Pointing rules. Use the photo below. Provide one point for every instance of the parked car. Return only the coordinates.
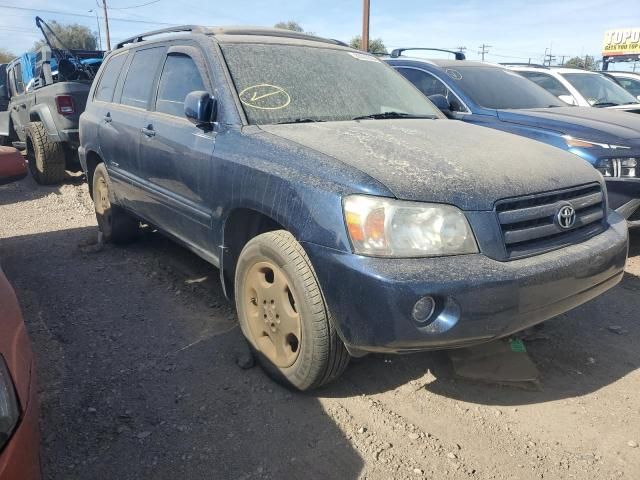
(630, 81)
(19, 435)
(345, 213)
(492, 96)
(583, 88)
(46, 93)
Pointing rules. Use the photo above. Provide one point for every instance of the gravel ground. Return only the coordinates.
(137, 353)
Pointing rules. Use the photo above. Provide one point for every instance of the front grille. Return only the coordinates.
(529, 224)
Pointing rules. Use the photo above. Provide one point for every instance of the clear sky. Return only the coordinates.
(516, 30)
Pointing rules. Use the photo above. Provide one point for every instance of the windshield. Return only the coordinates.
(288, 83)
(599, 90)
(499, 88)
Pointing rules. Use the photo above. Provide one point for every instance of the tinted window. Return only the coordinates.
(494, 87)
(104, 91)
(430, 85)
(598, 90)
(288, 83)
(549, 83)
(180, 76)
(630, 85)
(142, 71)
(19, 84)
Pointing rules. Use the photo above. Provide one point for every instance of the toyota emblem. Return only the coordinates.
(566, 217)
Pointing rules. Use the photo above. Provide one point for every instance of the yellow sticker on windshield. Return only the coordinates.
(265, 97)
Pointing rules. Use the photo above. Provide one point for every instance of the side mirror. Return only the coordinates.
(12, 165)
(201, 108)
(442, 103)
(568, 99)
(638, 96)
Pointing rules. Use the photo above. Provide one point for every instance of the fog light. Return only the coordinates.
(423, 309)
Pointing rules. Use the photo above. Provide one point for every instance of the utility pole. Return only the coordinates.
(548, 58)
(563, 57)
(461, 49)
(106, 24)
(364, 41)
(484, 49)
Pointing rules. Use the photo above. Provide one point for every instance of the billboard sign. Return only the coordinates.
(621, 41)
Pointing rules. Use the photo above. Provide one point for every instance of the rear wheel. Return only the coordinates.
(283, 315)
(114, 222)
(46, 158)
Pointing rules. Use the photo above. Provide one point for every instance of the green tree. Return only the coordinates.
(72, 36)
(376, 45)
(289, 25)
(6, 56)
(587, 62)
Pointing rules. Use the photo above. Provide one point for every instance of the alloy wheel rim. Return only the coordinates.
(272, 314)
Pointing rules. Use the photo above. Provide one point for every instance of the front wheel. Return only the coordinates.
(283, 314)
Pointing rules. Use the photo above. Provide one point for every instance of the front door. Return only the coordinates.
(176, 156)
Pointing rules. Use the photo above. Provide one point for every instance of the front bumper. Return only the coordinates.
(480, 299)
(20, 458)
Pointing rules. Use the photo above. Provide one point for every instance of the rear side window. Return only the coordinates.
(549, 83)
(139, 82)
(109, 78)
(180, 76)
(427, 84)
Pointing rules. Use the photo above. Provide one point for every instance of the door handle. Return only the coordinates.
(107, 118)
(149, 131)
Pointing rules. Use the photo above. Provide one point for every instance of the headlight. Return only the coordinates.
(578, 142)
(618, 167)
(9, 411)
(392, 228)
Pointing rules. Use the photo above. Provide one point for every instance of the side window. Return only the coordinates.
(136, 91)
(549, 83)
(631, 85)
(180, 76)
(109, 78)
(430, 85)
(427, 84)
(19, 83)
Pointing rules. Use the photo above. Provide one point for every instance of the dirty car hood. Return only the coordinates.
(442, 161)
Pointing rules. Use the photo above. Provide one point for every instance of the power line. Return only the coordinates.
(135, 6)
(71, 14)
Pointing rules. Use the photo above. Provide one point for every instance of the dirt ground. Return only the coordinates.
(137, 348)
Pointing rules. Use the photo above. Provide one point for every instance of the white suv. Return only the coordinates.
(580, 87)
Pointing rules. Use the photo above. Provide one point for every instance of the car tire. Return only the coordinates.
(115, 223)
(283, 314)
(46, 158)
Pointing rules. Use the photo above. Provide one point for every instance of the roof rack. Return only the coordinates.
(398, 51)
(229, 31)
(178, 29)
(524, 64)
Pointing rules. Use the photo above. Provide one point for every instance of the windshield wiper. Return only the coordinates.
(385, 115)
(605, 104)
(301, 120)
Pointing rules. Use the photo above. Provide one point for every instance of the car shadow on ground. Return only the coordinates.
(27, 189)
(136, 358)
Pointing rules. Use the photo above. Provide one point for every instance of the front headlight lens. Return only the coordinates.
(618, 167)
(393, 228)
(581, 143)
(9, 410)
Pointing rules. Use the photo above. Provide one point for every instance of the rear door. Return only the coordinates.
(176, 156)
(18, 105)
(123, 118)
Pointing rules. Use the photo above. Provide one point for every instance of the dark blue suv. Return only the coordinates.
(495, 97)
(345, 213)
